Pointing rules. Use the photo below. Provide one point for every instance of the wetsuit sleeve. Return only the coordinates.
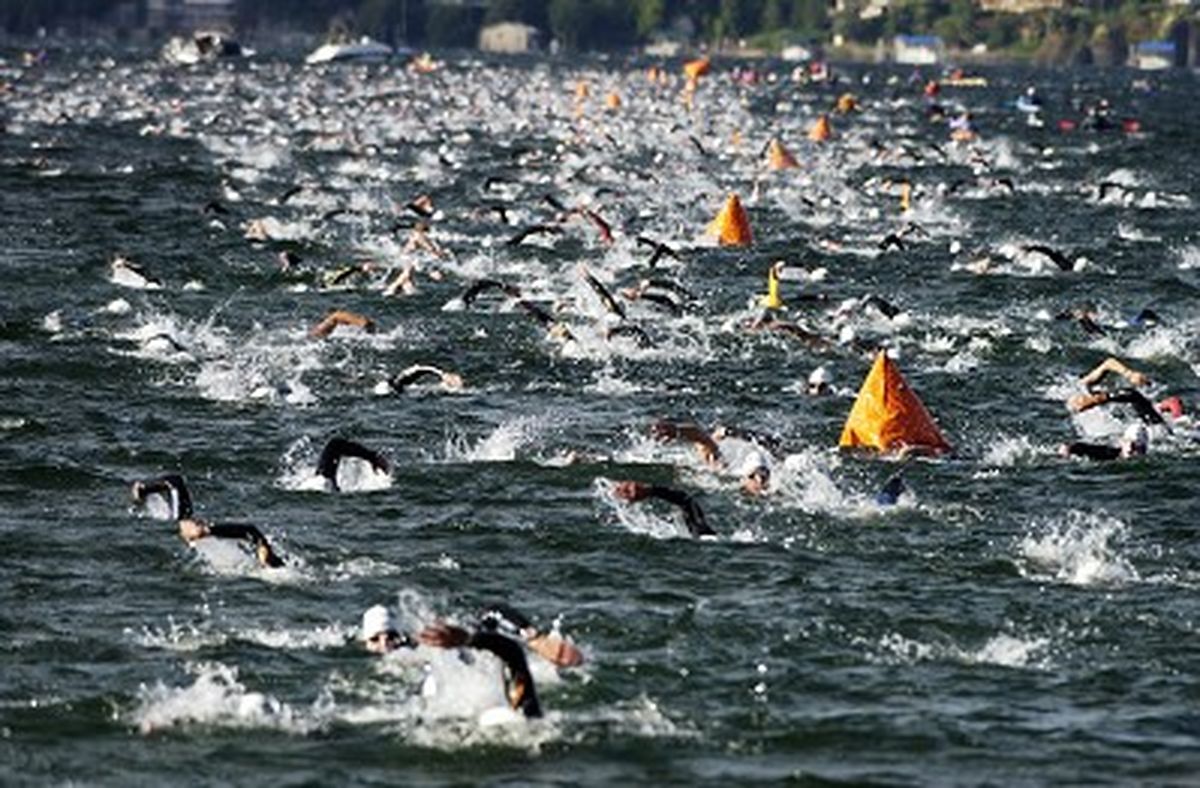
(502, 616)
(173, 488)
(522, 694)
(693, 515)
(1143, 407)
(1093, 451)
(336, 449)
(248, 532)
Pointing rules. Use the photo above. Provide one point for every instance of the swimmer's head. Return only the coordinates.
(379, 632)
(755, 473)
(818, 381)
(1135, 441)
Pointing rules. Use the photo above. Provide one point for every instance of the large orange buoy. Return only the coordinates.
(888, 415)
(821, 130)
(779, 158)
(694, 69)
(732, 226)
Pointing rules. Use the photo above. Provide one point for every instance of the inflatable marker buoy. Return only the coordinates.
(888, 415)
(779, 158)
(732, 226)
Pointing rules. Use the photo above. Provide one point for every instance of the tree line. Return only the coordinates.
(618, 24)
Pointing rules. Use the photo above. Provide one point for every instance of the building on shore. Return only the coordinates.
(510, 38)
(1153, 55)
(1019, 6)
(918, 50)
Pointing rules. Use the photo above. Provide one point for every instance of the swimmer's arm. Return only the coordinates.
(706, 447)
(340, 317)
(1145, 408)
(337, 448)
(1115, 366)
(507, 650)
(693, 515)
(262, 548)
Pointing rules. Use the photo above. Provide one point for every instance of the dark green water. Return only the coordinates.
(1017, 619)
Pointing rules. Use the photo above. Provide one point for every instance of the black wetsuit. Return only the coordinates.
(1143, 407)
(174, 489)
(1093, 451)
(693, 516)
(251, 534)
(336, 449)
(522, 695)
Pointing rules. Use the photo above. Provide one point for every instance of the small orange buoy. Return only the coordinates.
(779, 158)
(697, 68)
(821, 131)
(731, 227)
(612, 101)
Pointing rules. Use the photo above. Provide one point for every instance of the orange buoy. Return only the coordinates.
(731, 227)
(697, 68)
(821, 130)
(612, 101)
(888, 415)
(779, 158)
(846, 104)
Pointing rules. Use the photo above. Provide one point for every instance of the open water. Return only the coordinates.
(1018, 618)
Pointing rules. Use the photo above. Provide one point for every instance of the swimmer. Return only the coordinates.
(337, 449)
(638, 333)
(1145, 409)
(1134, 443)
(518, 681)
(450, 381)
(660, 250)
(191, 530)
(693, 515)
(341, 317)
(819, 382)
(606, 298)
(477, 288)
(891, 491)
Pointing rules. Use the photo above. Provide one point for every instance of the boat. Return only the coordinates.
(1154, 55)
(204, 46)
(918, 50)
(366, 49)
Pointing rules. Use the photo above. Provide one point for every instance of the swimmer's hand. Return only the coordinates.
(631, 491)
(555, 650)
(443, 635)
(193, 530)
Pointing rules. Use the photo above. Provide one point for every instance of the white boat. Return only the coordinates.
(1154, 55)
(795, 54)
(204, 46)
(365, 49)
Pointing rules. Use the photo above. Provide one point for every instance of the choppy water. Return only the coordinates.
(1018, 618)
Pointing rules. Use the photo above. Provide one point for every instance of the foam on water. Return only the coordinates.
(1080, 548)
(1004, 650)
(217, 699)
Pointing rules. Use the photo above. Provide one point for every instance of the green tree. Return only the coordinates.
(649, 15)
(772, 16)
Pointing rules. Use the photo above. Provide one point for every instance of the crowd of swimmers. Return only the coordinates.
(502, 630)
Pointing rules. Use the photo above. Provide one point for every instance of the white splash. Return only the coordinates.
(217, 699)
(1079, 549)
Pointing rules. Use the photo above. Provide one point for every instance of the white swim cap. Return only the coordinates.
(820, 377)
(753, 463)
(376, 620)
